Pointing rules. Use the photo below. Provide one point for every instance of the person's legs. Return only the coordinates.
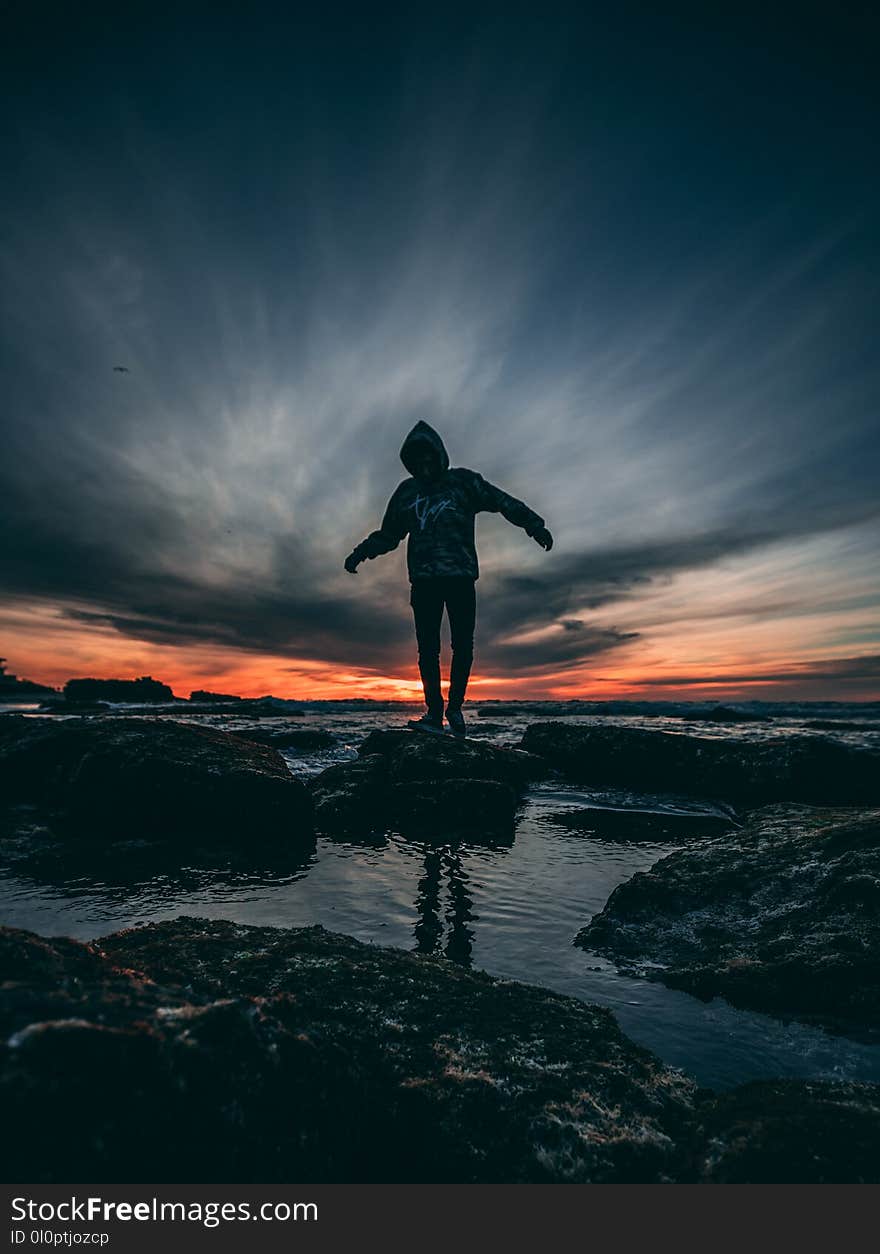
(461, 606)
(426, 599)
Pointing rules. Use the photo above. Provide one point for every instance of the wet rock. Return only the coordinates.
(234, 1053)
(724, 714)
(28, 845)
(423, 785)
(548, 709)
(81, 708)
(42, 962)
(293, 739)
(267, 1054)
(626, 826)
(418, 756)
(813, 769)
(116, 1069)
(513, 709)
(782, 916)
(578, 708)
(115, 778)
(789, 1132)
(351, 797)
(181, 708)
(247, 707)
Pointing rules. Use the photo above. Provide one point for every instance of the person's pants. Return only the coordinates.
(428, 598)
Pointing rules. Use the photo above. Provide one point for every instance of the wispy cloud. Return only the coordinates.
(287, 302)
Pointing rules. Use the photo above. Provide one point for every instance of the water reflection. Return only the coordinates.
(138, 870)
(429, 929)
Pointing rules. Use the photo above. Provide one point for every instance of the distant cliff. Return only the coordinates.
(79, 691)
(14, 689)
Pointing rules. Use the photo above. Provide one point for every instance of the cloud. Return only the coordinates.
(841, 671)
(590, 579)
(674, 383)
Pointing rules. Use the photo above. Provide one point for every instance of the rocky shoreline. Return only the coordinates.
(298, 1052)
(424, 783)
(781, 916)
(813, 769)
(111, 779)
(239, 1053)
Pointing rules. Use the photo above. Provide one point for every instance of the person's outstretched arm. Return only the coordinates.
(494, 500)
(394, 527)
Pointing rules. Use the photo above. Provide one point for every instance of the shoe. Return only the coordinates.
(428, 723)
(456, 722)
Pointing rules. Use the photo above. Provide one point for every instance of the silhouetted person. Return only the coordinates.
(436, 507)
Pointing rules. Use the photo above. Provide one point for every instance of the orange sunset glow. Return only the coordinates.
(722, 655)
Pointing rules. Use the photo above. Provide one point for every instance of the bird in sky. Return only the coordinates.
(122, 370)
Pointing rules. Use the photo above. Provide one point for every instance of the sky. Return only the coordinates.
(626, 262)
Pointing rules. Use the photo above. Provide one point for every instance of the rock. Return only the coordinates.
(578, 708)
(90, 707)
(618, 755)
(350, 798)
(263, 1054)
(512, 709)
(202, 695)
(782, 916)
(293, 739)
(625, 826)
(246, 1054)
(813, 769)
(40, 962)
(791, 1131)
(241, 709)
(364, 797)
(419, 756)
(544, 709)
(113, 778)
(13, 689)
(724, 714)
(423, 785)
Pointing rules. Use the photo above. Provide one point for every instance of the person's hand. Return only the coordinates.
(544, 538)
(351, 564)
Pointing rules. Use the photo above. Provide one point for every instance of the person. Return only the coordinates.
(436, 507)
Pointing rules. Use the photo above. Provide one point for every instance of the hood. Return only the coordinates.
(420, 435)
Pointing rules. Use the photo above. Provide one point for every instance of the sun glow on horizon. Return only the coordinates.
(47, 647)
(770, 626)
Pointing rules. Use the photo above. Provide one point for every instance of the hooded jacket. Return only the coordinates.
(438, 514)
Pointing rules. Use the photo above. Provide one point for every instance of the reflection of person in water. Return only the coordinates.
(459, 910)
(436, 507)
